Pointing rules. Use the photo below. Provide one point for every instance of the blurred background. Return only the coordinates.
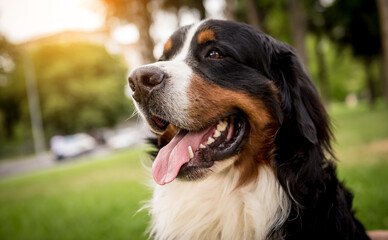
(72, 148)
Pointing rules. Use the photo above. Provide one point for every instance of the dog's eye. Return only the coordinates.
(214, 54)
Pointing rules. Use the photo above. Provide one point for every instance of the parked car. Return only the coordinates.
(125, 138)
(72, 145)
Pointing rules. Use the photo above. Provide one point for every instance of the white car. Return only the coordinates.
(72, 145)
(125, 138)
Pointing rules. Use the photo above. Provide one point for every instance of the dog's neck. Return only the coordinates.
(216, 208)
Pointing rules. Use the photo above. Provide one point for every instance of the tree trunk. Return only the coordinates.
(229, 9)
(383, 12)
(33, 104)
(145, 40)
(137, 12)
(322, 70)
(370, 80)
(202, 11)
(253, 14)
(298, 27)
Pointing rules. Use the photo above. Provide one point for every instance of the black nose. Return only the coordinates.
(145, 79)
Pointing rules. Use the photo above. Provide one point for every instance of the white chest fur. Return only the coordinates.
(215, 209)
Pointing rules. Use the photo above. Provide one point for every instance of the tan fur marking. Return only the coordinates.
(167, 46)
(206, 36)
(275, 91)
(210, 102)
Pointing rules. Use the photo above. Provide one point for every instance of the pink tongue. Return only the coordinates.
(172, 156)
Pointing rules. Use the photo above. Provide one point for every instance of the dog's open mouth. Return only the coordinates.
(192, 151)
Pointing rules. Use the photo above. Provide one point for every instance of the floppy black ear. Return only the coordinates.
(303, 140)
(299, 97)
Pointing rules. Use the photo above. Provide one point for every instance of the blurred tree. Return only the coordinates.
(253, 14)
(229, 10)
(139, 13)
(383, 10)
(297, 16)
(315, 25)
(81, 87)
(178, 4)
(272, 17)
(284, 19)
(322, 76)
(15, 129)
(355, 23)
(11, 91)
(351, 23)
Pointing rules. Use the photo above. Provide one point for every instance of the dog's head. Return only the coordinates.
(222, 94)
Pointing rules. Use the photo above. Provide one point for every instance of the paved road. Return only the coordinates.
(43, 160)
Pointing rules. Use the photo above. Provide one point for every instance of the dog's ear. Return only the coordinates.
(299, 97)
(303, 140)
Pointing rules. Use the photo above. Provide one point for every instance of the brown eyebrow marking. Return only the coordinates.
(167, 46)
(205, 36)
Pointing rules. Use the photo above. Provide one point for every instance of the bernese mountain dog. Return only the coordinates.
(243, 140)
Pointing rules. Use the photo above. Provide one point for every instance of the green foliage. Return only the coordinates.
(12, 91)
(354, 23)
(346, 74)
(273, 17)
(14, 118)
(80, 85)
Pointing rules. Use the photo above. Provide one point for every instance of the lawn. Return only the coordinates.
(362, 151)
(92, 199)
(98, 198)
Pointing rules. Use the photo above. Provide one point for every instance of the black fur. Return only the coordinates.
(303, 158)
(322, 206)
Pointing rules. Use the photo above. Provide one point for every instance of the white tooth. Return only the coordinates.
(222, 126)
(210, 140)
(191, 154)
(217, 134)
(219, 125)
(201, 146)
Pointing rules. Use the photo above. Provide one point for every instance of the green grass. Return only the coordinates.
(362, 151)
(361, 125)
(369, 183)
(90, 200)
(98, 198)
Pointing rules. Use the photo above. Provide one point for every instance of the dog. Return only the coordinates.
(243, 140)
